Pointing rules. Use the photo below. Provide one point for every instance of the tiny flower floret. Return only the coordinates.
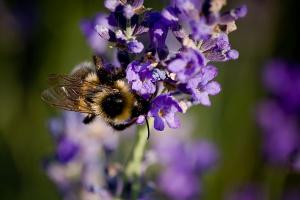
(202, 85)
(164, 109)
(187, 64)
(141, 78)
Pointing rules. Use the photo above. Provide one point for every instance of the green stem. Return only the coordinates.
(133, 168)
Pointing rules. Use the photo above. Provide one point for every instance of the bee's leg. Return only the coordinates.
(121, 127)
(89, 118)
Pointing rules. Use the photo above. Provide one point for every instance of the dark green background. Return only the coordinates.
(48, 40)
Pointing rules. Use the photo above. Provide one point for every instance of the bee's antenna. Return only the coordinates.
(148, 128)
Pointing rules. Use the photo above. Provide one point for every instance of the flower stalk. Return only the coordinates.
(133, 167)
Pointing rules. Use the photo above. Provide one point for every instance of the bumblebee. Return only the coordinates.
(97, 91)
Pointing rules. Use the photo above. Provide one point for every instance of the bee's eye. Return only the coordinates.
(113, 105)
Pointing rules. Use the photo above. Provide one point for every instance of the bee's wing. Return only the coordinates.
(66, 92)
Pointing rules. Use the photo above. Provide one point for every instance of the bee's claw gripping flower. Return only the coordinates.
(166, 54)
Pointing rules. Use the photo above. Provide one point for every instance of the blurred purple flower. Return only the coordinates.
(98, 44)
(249, 192)
(66, 150)
(185, 186)
(189, 8)
(204, 156)
(292, 194)
(278, 117)
(186, 161)
(280, 133)
(79, 149)
(283, 80)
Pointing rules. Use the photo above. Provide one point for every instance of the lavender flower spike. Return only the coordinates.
(165, 54)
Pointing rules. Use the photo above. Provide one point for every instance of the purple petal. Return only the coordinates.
(177, 65)
(159, 123)
(172, 120)
(111, 4)
(209, 73)
(184, 187)
(141, 120)
(137, 85)
(135, 47)
(128, 11)
(213, 88)
(232, 54)
(103, 31)
(205, 155)
(137, 3)
(202, 98)
(66, 150)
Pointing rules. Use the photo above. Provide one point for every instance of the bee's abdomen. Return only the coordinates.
(113, 105)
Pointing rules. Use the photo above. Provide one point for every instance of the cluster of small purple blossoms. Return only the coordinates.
(83, 167)
(80, 165)
(167, 54)
(279, 115)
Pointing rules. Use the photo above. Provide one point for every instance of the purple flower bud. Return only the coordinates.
(232, 54)
(103, 31)
(184, 187)
(98, 44)
(137, 3)
(190, 8)
(111, 4)
(200, 29)
(241, 11)
(218, 49)
(135, 46)
(234, 14)
(128, 11)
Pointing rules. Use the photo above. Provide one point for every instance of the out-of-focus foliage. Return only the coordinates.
(39, 37)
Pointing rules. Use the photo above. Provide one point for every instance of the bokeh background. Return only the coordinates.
(39, 37)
